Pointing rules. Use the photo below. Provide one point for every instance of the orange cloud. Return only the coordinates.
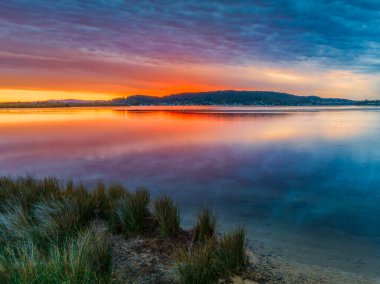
(110, 77)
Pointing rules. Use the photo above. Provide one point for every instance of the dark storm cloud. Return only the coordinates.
(344, 34)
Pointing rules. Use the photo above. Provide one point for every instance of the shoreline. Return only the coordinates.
(277, 270)
(140, 250)
(197, 108)
(147, 259)
(262, 266)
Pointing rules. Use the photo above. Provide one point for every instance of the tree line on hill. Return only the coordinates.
(220, 98)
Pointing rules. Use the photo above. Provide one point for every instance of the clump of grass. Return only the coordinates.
(59, 219)
(44, 236)
(96, 249)
(85, 259)
(101, 201)
(211, 258)
(15, 223)
(133, 213)
(231, 252)
(198, 265)
(167, 215)
(83, 200)
(26, 191)
(116, 191)
(41, 211)
(41, 233)
(115, 194)
(20, 264)
(205, 227)
(47, 222)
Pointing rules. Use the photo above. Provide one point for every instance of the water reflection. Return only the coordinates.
(304, 183)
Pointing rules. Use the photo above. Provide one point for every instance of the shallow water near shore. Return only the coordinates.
(305, 182)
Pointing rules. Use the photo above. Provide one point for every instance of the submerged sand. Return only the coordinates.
(264, 269)
(151, 259)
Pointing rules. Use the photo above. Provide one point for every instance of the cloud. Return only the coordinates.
(127, 38)
(334, 32)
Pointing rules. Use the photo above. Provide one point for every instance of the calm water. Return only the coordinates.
(305, 182)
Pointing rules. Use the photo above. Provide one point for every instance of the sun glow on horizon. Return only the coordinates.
(165, 79)
(9, 95)
(58, 50)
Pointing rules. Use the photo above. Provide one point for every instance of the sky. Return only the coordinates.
(106, 49)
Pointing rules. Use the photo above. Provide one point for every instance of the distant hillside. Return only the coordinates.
(232, 98)
(226, 98)
(55, 104)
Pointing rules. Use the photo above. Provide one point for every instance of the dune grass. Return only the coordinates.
(84, 259)
(132, 212)
(115, 193)
(26, 191)
(46, 237)
(197, 265)
(231, 252)
(211, 258)
(167, 216)
(205, 227)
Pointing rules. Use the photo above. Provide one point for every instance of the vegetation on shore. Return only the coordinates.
(46, 234)
(220, 98)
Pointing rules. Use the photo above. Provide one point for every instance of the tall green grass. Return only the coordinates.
(45, 235)
(15, 223)
(101, 201)
(114, 195)
(211, 258)
(26, 191)
(206, 226)
(84, 259)
(167, 215)
(198, 265)
(58, 219)
(133, 213)
(231, 252)
(44, 220)
(84, 200)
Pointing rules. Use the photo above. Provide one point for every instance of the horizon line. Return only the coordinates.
(170, 94)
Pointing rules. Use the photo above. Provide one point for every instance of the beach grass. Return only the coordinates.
(231, 252)
(132, 212)
(198, 265)
(167, 216)
(46, 234)
(84, 259)
(212, 258)
(205, 227)
(115, 193)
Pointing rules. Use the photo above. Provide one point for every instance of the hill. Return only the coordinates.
(231, 97)
(222, 98)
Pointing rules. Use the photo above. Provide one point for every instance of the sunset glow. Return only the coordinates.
(181, 141)
(109, 49)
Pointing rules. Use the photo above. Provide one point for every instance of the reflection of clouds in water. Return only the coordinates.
(306, 174)
(300, 168)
